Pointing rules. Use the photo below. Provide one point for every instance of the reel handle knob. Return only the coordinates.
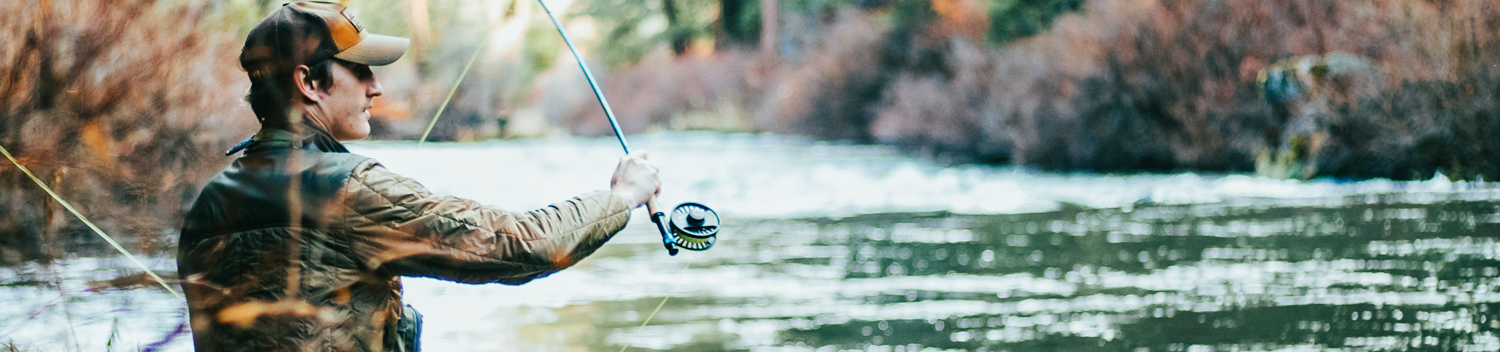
(695, 217)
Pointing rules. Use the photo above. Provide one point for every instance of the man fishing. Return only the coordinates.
(299, 245)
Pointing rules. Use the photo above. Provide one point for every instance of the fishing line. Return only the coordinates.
(86, 221)
(658, 306)
(648, 319)
(487, 32)
(461, 75)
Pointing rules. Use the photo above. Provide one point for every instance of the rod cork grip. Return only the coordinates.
(652, 208)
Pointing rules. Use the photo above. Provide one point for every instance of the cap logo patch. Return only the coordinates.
(357, 26)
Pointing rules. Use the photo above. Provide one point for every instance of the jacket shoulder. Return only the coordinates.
(273, 189)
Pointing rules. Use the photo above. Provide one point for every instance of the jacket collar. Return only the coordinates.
(310, 138)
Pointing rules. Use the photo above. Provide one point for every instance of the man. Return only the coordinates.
(299, 245)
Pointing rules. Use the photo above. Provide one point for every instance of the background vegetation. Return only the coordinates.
(125, 106)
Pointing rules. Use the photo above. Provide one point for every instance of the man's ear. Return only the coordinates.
(306, 86)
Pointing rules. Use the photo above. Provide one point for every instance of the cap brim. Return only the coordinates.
(375, 50)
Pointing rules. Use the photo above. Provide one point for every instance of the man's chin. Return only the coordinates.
(353, 133)
(362, 132)
(359, 130)
(354, 136)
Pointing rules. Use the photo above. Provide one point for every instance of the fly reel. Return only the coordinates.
(690, 226)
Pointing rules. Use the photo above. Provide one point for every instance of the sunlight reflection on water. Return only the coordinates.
(872, 262)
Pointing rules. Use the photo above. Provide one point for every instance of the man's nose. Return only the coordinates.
(375, 88)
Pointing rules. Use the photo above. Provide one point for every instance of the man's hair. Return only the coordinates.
(271, 95)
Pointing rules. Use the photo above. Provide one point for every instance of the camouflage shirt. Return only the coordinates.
(299, 246)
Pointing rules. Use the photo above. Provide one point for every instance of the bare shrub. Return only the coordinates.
(123, 108)
(830, 92)
(1165, 85)
(946, 114)
(666, 91)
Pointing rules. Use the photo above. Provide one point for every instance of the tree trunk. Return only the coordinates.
(421, 30)
(675, 33)
(768, 26)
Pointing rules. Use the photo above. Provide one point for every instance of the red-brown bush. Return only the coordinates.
(123, 107)
(1164, 84)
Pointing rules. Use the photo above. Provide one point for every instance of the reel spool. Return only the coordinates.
(691, 226)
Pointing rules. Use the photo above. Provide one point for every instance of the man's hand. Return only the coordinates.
(635, 180)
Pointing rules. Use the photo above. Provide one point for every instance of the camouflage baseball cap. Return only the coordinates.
(308, 32)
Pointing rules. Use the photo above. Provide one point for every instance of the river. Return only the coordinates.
(836, 247)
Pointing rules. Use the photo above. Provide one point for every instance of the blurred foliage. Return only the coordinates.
(1173, 86)
(543, 49)
(621, 34)
(631, 28)
(1013, 19)
(123, 107)
(739, 22)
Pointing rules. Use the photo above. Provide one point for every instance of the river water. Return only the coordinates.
(834, 247)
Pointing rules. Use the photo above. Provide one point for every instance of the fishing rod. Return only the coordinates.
(691, 226)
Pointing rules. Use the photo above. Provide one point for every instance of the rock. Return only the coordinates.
(1305, 94)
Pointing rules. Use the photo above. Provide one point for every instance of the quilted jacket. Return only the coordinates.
(300, 246)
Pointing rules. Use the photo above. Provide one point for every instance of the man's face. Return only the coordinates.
(347, 102)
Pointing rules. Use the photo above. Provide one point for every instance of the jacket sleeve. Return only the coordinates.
(398, 227)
